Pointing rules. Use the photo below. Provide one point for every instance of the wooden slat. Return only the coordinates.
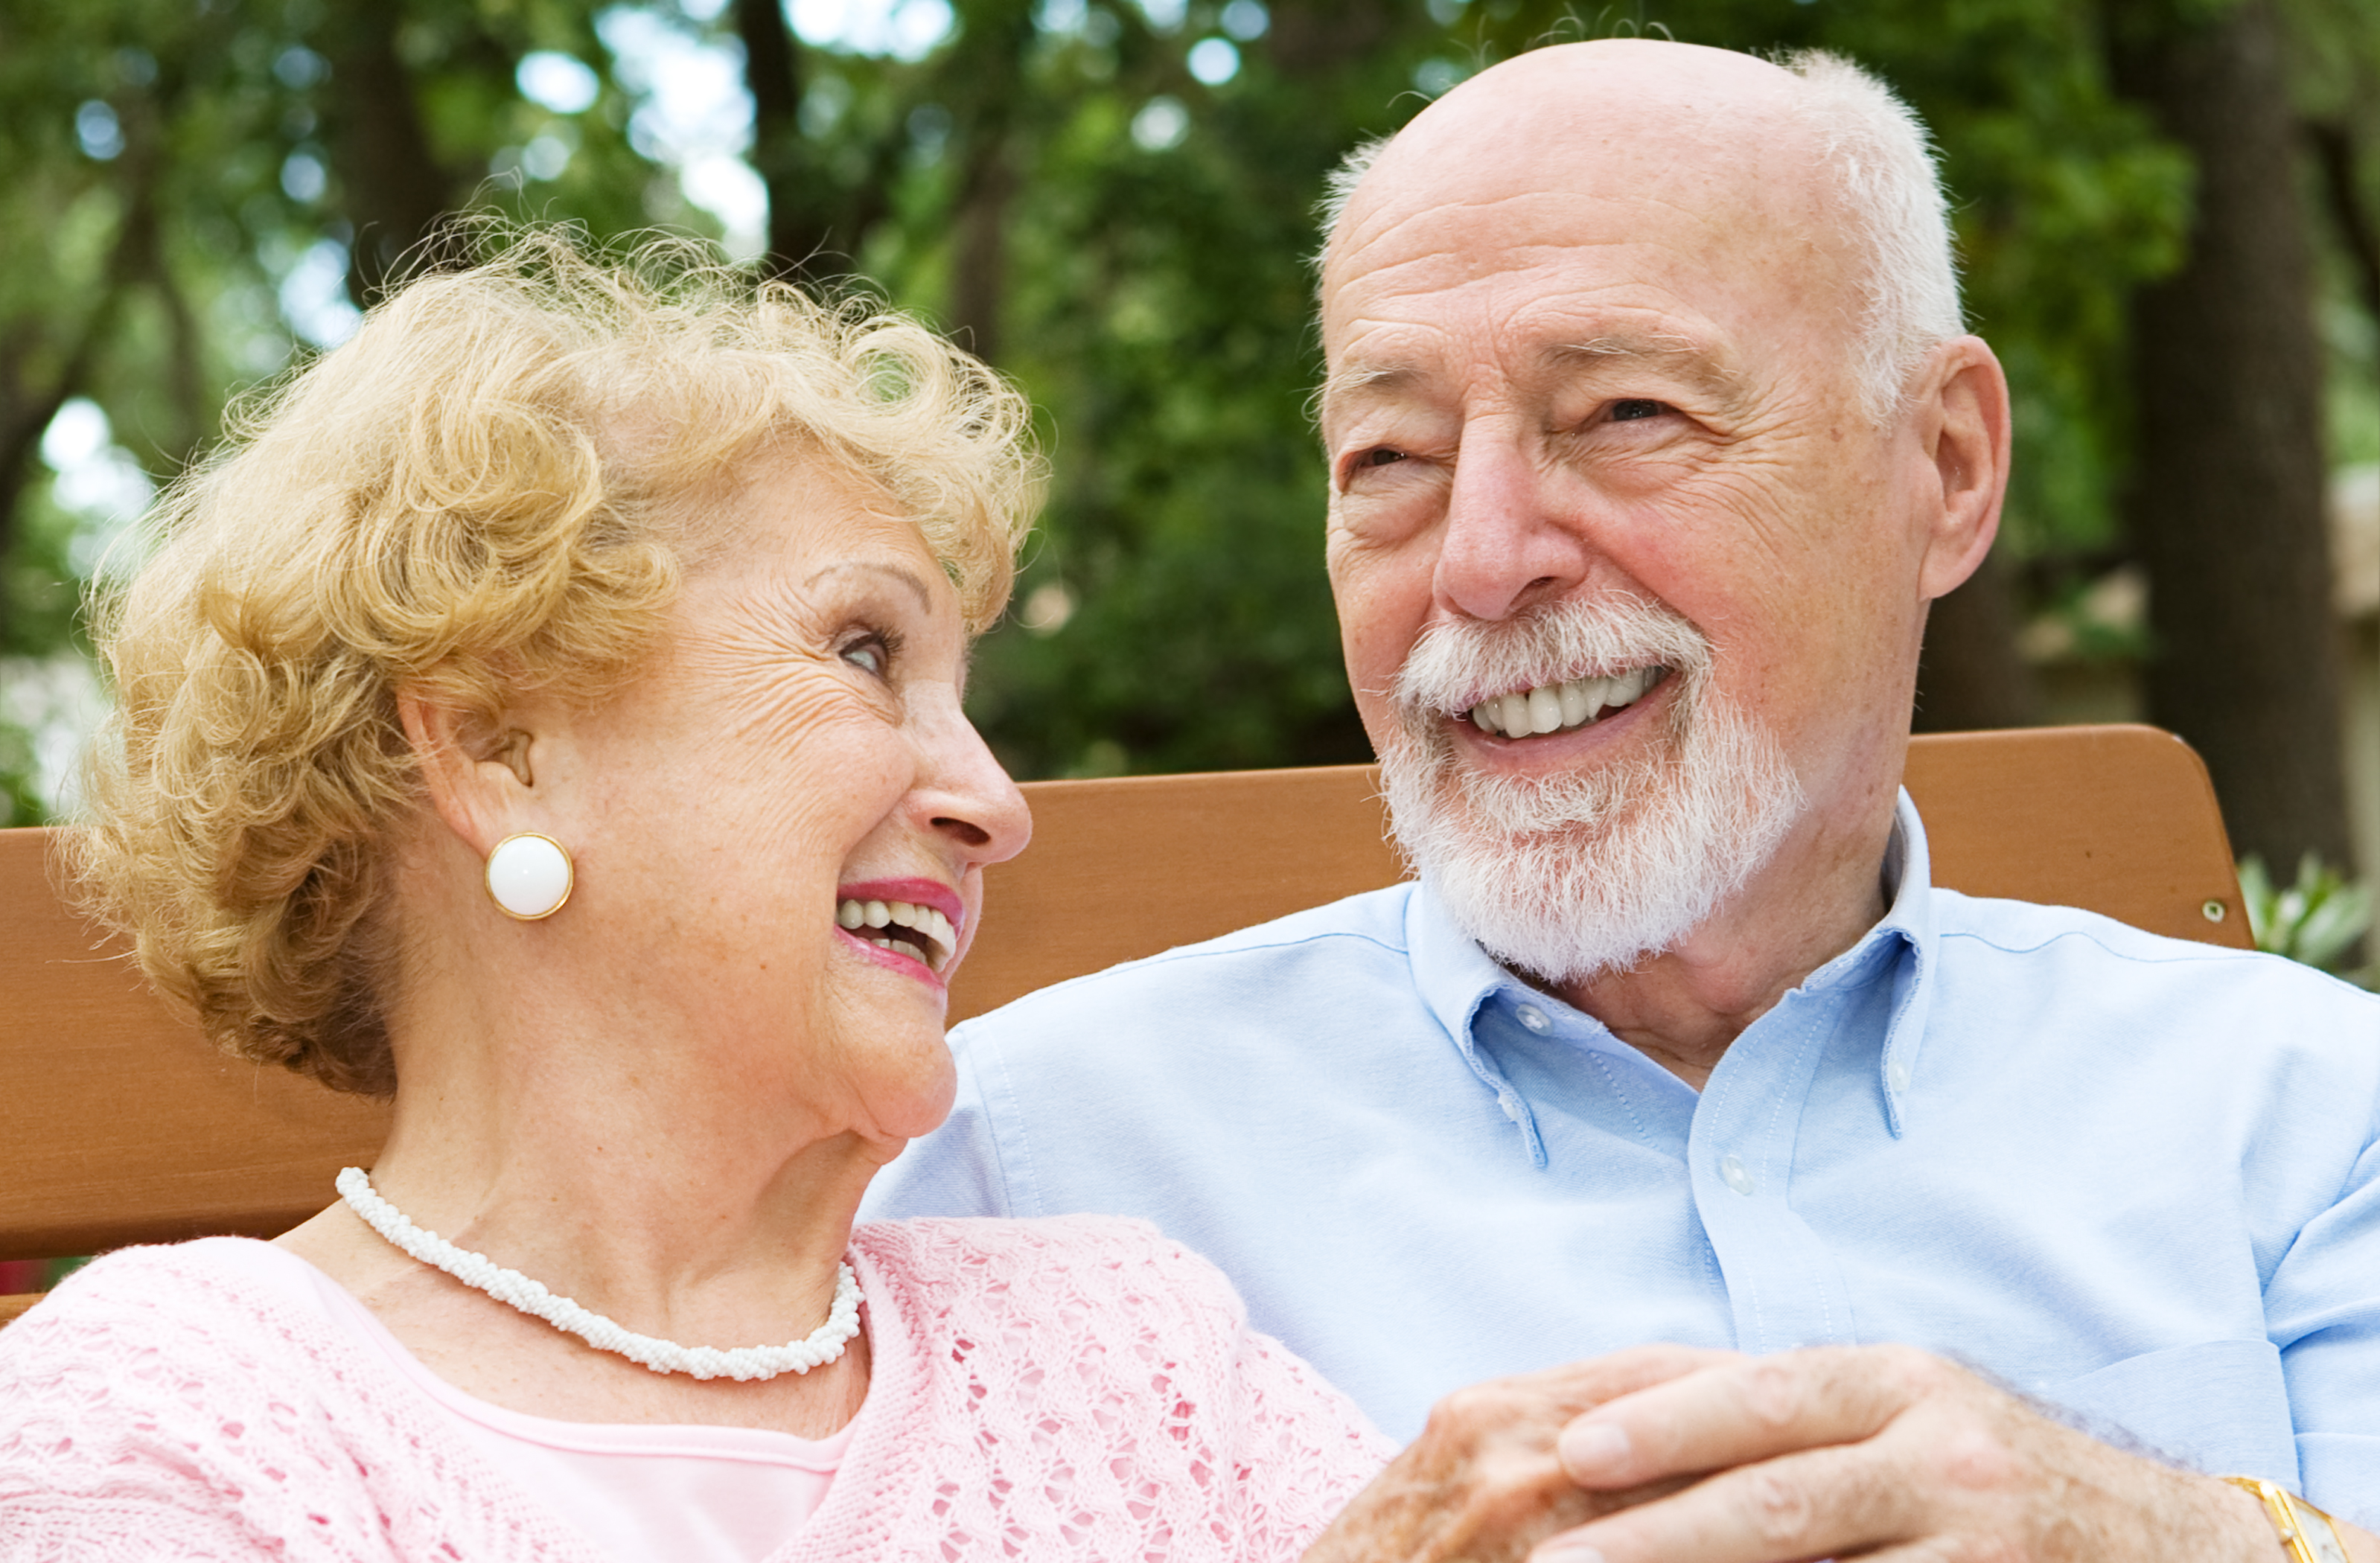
(1125, 868)
(119, 1125)
(2118, 819)
(16, 1302)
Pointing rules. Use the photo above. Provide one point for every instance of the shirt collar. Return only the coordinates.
(1456, 978)
(1899, 945)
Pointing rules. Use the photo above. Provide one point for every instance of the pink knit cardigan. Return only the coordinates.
(1041, 1390)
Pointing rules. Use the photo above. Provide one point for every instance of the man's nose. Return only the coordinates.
(1505, 548)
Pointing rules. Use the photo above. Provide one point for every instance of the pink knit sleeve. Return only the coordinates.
(1303, 1450)
(1298, 1450)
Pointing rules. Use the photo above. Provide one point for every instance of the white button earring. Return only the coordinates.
(529, 877)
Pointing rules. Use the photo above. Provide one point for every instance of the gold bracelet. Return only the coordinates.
(2307, 1534)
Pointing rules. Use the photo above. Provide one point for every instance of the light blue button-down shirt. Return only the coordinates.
(2133, 1175)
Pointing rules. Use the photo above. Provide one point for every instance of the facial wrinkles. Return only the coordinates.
(783, 677)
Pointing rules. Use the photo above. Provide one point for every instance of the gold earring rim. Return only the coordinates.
(570, 876)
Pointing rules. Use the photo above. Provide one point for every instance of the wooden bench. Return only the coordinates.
(119, 1125)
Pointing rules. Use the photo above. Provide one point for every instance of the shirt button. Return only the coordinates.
(1737, 1178)
(1535, 1019)
(1897, 1072)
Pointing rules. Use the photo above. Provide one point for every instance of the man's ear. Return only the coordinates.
(1962, 419)
(477, 775)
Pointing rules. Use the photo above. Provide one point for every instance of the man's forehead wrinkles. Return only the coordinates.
(1424, 209)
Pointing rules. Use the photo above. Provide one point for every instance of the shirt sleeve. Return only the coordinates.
(956, 1169)
(2322, 1308)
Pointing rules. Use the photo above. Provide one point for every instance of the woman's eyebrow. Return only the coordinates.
(910, 578)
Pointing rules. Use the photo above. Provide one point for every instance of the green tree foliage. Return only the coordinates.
(1111, 199)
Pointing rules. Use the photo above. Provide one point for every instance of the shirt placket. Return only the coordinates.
(1782, 1280)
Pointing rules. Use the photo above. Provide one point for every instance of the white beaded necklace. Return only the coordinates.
(514, 1290)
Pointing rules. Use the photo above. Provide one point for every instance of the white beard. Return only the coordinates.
(1570, 875)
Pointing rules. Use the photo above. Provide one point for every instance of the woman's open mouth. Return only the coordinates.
(905, 927)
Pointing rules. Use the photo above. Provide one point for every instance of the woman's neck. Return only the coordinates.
(621, 1164)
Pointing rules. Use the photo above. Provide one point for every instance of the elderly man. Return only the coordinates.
(1652, 432)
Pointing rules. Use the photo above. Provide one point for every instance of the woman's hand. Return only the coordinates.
(1483, 1482)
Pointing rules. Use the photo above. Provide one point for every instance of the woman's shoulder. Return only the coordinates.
(1112, 1258)
(196, 1400)
(139, 1295)
(146, 1348)
(153, 1335)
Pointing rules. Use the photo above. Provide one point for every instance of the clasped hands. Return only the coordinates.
(1668, 1454)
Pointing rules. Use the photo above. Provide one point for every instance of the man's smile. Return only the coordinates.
(1557, 707)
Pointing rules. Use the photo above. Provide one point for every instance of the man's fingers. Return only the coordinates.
(1819, 1504)
(1741, 1411)
(1597, 1380)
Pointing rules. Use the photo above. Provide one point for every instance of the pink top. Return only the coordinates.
(674, 1494)
(1076, 1389)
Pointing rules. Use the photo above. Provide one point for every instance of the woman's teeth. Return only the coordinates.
(1551, 707)
(926, 933)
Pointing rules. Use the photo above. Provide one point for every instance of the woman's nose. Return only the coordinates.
(967, 795)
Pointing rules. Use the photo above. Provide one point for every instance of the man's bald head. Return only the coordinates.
(1651, 436)
(1816, 149)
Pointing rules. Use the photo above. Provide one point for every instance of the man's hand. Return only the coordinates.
(1883, 1453)
(1482, 1483)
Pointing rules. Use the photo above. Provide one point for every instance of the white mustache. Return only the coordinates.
(1455, 665)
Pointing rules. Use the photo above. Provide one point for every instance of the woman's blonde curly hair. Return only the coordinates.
(487, 490)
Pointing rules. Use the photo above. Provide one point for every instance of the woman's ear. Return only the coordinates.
(1964, 422)
(479, 775)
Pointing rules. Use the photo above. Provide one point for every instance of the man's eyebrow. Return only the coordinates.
(1678, 355)
(1347, 382)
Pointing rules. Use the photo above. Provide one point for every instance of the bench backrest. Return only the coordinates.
(117, 1124)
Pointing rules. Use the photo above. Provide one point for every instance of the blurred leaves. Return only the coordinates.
(199, 185)
(2318, 920)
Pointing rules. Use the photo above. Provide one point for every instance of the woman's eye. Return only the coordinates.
(871, 653)
(1635, 407)
(1383, 457)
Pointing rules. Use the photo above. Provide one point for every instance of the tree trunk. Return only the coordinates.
(800, 237)
(1972, 676)
(987, 72)
(2224, 500)
(2342, 189)
(391, 186)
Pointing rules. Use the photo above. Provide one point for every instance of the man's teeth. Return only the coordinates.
(939, 939)
(1550, 707)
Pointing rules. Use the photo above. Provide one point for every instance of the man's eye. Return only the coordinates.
(1635, 407)
(1383, 456)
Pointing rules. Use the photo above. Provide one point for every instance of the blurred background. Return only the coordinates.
(2168, 210)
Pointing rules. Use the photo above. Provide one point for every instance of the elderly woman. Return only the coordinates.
(547, 712)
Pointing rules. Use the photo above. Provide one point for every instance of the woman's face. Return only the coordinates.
(782, 828)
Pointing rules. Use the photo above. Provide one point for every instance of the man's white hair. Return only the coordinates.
(1891, 193)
